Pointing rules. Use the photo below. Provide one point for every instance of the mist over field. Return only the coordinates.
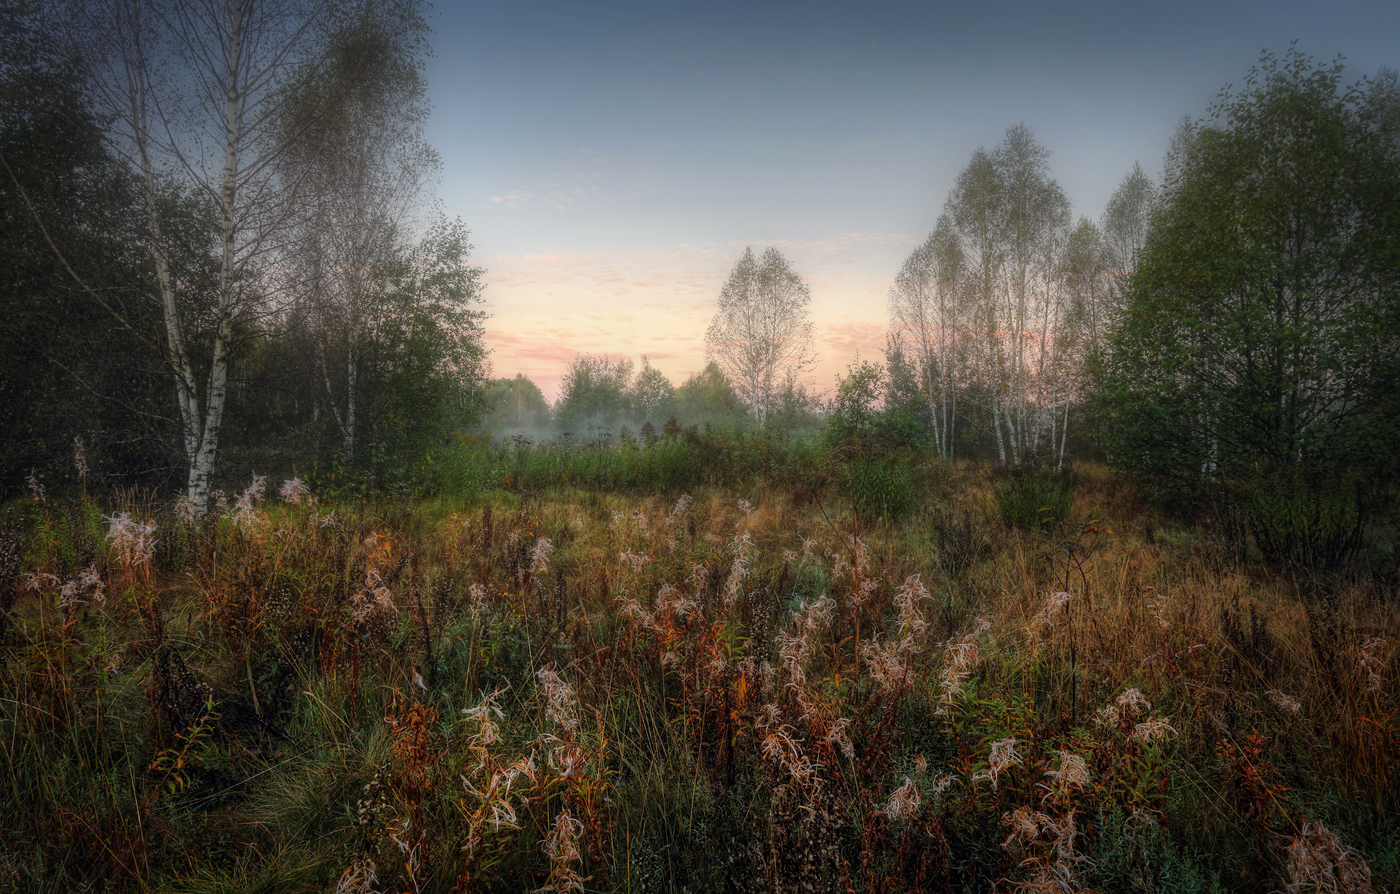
(543, 447)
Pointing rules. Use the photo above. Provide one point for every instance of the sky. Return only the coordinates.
(613, 159)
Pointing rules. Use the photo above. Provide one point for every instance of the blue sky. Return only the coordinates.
(613, 159)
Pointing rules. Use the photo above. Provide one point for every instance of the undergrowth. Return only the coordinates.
(538, 684)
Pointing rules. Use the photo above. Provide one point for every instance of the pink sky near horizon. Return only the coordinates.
(546, 309)
(612, 159)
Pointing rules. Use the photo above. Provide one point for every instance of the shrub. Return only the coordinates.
(880, 487)
(1033, 499)
(1305, 520)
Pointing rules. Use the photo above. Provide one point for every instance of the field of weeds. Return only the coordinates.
(724, 690)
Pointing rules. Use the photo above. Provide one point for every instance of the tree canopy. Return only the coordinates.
(1262, 327)
(762, 331)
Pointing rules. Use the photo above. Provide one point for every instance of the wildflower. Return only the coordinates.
(780, 746)
(185, 510)
(1061, 873)
(1001, 758)
(134, 542)
(887, 663)
(1072, 771)
(905, 801)
(359, 878)
(631, 608)
(1054, 604)
(477, 596)
(669, 601)
(489, 733)
(80, 458)
(1288, 704)
(294, 492)
(539, 556)
(1152, 729)
(837, 737)
(569, 758)
(1317, 861)
(866, 591)
(244, 511)
(1370, 663)
(699, 577)
(1126, 709)
(681, 505)
(1158, 606)
(907, 601)
(944, 780)
(560, 704)
(36, 490)
(745, 507)
(958, 662)
(1025, 824)
(89, 579)
(76, 591)
(739, 546)
(561, 846)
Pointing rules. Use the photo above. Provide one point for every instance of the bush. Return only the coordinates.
(1305, 520)
(880, 487)
(1034, 499)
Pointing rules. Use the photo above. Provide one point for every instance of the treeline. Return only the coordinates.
(600, 397)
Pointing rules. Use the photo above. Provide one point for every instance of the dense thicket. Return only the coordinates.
(79, 352)
(1262, 335)
(155, 302)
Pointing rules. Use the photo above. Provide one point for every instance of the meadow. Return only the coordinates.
(633, 670)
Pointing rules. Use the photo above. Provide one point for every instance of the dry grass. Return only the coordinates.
(737, 691)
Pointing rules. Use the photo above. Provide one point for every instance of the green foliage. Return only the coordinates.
(599, 395)
(594, 396)
(1134, 856)
(1262, 328)
(682, 460)
(853, 411)
(514, 405)
(1033, 499)
(881, 487)
(73, 362)
(708, 399)
(1307, 520)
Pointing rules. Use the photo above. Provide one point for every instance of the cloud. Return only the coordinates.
(562, 197)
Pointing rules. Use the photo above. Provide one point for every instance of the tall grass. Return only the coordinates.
(551, 681)
(714, 458)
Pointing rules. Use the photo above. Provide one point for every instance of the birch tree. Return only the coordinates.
(928, 322)
(1010, 220)
(193, 90)
(762, 330)
(1125, 225)
(357, 164)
